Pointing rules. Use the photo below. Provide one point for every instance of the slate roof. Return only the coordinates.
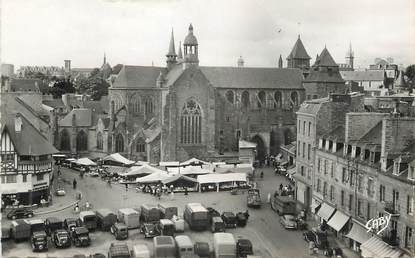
(325, 59)
(312, 106)
(29, 141)
(83, 117)
(137, 77)
(54, 103)
(337, 134)
(25, 85)
(374, 135)
(298, 51)
(370, 75)
(318, 76)
(250, 77)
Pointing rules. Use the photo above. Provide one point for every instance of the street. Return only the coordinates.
(263, 229)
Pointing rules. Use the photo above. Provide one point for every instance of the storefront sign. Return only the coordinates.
(379, 224)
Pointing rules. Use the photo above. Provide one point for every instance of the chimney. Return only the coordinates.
(18, 123)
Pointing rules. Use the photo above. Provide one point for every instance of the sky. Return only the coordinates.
(137, 32)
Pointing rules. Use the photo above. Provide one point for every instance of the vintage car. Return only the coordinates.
(61, 238)
(229, 219)
(149, 230)
(70, 223)
(80, 237)
(244, 248)
(217, 225)
(39, 241)
(288, 221)
(20, 213)
(119, 230)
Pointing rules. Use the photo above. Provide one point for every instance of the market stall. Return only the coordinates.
(217, 182)
(117, 160)
(181, 182)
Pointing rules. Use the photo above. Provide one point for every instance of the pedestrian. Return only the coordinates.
(269, 198)
(185, 191)
(171, 188)
(172, 195)
(262, 174)
(246, 214)
(74, 183)
(281, 187)
(126, 187)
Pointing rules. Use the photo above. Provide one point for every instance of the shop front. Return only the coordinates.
(357, 235)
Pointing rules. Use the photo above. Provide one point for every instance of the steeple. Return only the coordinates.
(350, 56)
(190, 46)
(171, 55)
(280, 62)
(298, 57)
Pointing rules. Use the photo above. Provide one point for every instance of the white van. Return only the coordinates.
(140, 251)
(224, 245)
(185, 247)
(129, 217)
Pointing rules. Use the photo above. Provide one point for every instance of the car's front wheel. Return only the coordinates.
(30, 215)
(14, 217)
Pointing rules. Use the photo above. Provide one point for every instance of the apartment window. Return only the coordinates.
(299, 127)
(408, 237)
(332, 169)
(325, 167)
(39, 177)
(309, 173)
(9, 179)
(318, 185)
(370, 191)
(350, 202)
(382, 193)
(360, 183)
(303, 149)
(325, 189)
(344, 175)
(309, 128)
(342, 197)
(24, 178)
(308, 152)
(331, 193)
(318, 165)
(298, 149)
(359, 208)
(368, 217)
(304, 128)
(410, 205)
(351, 178)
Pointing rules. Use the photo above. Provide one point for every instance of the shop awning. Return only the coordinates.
(358, 233)
(141, 170)
(221, 178)
(153, 178)
(179, 177)
(315, 206)
(338, 220)
(85, 162)
(325, 211)
(375, 247)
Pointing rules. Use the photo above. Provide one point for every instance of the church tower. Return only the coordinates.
(280, 62)
(190, 46)
(298, 57)
(171, 55)
(350, 57)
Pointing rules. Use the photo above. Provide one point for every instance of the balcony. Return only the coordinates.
(391, 208)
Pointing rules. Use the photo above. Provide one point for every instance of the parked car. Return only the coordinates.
(70, 224)
(20, 213)
(120, 231)
(202, 249)
(254, 198)
(244, 248)
(80, 237)
(149, 230)
(288, 221)
(241, 219)
(39, 241)
(212, 213)
(229, 219)
(217, 225)
(166, 227)
(61, 238)
(318, 237)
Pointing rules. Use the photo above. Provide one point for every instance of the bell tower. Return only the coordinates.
(190, 46)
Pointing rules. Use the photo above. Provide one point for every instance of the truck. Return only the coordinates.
(20, 230)
(224, 245)
(140, 251)
(167, 212)
(119, 251)
(150, 213)
(129, 217)
(254, 198)
(185, 247)
(283, 205)
(196, 216)
(88, 219)
(164, 247)
(105, 219)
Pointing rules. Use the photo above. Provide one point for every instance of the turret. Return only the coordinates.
(190, 49)
(171, 55)
(280, 62)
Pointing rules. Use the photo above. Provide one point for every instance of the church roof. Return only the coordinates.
(29, 141)
(83, 117)
(298, 51)
(137, 77)
(325, 59)
(250, 77)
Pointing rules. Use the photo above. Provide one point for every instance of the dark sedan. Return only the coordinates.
(20, 213)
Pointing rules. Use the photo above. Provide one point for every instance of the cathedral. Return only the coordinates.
(185, 110)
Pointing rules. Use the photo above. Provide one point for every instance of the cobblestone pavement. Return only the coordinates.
(268, 237)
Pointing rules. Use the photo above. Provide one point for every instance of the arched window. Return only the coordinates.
(245, 99)
(148, 106)
(135, 105)
(277, 99)
(140, 145)
(261, 99)
(81, 141)
(65, 140)
(100, 141)
(119, 143)
(191, 123)
(117, 103)
(230, 96)
(294, 98)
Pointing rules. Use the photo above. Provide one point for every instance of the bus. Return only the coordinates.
(196, 216)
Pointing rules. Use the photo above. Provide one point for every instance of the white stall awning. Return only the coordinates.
(338, 220)
(325, 211)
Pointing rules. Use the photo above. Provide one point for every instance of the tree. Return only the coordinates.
(94, 85)
(410, 76)
(61, 87)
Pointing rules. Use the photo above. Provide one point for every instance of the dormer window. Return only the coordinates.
(411, 173)
(396, 166)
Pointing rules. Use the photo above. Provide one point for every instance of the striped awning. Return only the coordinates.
(325, 211)
(358, 233)
(375, 247)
